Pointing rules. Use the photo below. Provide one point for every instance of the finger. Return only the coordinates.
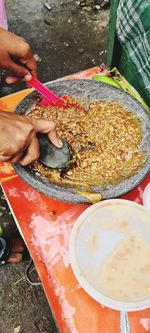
(11, 159)
(53, 137)
(27, 78)
(5, 158)
(16, 158)
(18, 70)
(14, 258)
(30, 63)
(32, 66)
(32, 152)
(12, 79)
(47, 127)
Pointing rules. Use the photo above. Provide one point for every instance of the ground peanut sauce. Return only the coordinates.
(104, 141)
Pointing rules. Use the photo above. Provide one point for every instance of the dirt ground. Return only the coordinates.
(69, 38)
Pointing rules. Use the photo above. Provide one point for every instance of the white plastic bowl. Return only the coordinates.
(85, 260)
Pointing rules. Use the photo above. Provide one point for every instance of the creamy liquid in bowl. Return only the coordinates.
(125, 275)
(111, 249)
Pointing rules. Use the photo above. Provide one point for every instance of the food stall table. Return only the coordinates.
(45, 225)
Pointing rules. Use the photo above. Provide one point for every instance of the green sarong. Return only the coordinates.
(133, 30)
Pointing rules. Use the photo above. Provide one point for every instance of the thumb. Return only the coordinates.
(14, 79)
(18, 70)
(47, 127)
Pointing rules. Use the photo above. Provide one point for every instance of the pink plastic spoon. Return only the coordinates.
(49, 97)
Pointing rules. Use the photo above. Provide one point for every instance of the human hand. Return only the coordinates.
(18, 141)
(16, 56)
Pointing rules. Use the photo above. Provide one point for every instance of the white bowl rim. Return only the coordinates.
(99, 297)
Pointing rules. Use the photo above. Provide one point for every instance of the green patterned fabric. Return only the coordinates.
(133, 30)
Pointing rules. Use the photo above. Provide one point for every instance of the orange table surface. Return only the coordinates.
(45, 225)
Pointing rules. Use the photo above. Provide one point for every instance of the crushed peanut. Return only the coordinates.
(104, 141)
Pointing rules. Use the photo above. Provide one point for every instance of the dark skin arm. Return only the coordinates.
(18, 141)
(16, 56)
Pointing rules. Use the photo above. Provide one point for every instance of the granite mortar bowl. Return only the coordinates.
(88, 90)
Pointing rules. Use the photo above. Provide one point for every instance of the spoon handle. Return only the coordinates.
(124, 322)
(48, 94)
